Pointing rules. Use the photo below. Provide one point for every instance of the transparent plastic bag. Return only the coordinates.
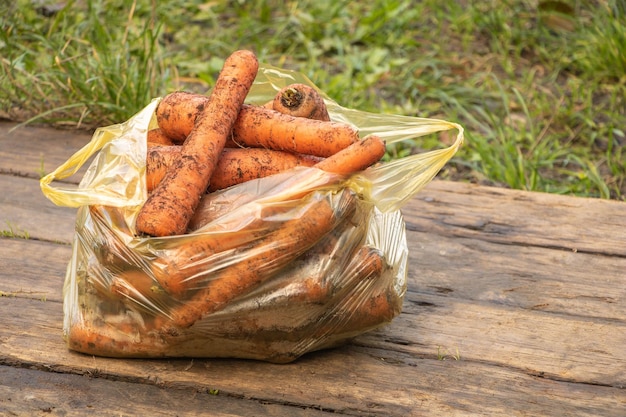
(270, 269)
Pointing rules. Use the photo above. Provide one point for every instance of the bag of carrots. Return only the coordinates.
(256, 221)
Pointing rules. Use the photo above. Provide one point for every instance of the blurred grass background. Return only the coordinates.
(539, 86)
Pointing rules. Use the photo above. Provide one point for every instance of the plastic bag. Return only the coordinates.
(271, 269)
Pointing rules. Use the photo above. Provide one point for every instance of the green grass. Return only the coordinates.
(539, 86)
(13, 231)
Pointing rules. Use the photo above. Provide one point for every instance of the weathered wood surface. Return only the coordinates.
(516, 306)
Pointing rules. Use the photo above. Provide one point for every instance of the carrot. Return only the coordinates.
(235, 165)
(177, 112)
(238, 165)
(264, 257)
(321, 272)
(170, 206)
(158, 160)
(295, 328)
(257, 126)
(187, 265)
(379, 307)
(139, 288)
(363, 305)
(355, 157)
(119, 341)
(301, 100)
(157, 137)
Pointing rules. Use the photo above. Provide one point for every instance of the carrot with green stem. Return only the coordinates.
(170, 206)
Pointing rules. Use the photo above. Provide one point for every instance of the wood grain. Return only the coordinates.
(31, 392)
(513, 217)
(31, 150)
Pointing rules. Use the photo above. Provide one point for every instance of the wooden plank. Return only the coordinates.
(33, 269)
(517, 217)
(559, 347)
(26, 211)
(31, 392)
(350, 380)
(529, 277)
(32, 150)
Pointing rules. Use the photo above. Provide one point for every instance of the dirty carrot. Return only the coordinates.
(262, 260)
(288, 187)
(113, 341)
(169, 207)
(158, 161)
(370, 308)
(157, 137)
(363, 305)
(139, 289)
(238, 165)
(235, 165)
(257, 126)
(301, 100)
(188, 265)
(355, 157)
(320, 272)
(177, 112)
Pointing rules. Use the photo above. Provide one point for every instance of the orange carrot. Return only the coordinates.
(158, 160)
(170, 206)
(119, 341)
(362, 305)
(301, 100)
(379, 307)
(156, 137)
(235, 165)
(320, 272)
(264, 258)
(288, 187)
(257, 126)
(355, 157)
(177, 112)
(137, 286)
(187, 265)
(238, 165)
